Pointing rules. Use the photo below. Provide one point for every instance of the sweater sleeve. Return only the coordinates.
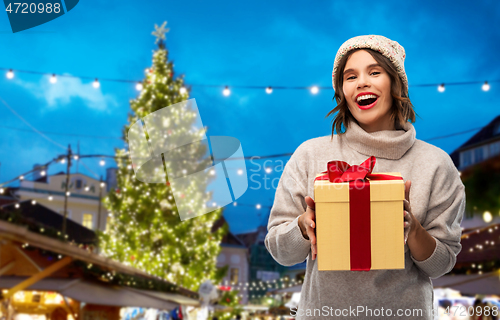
(444, 216)
(284, 240)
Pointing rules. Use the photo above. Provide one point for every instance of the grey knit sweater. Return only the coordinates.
(437, 198)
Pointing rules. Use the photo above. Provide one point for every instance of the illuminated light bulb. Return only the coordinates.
(75, 157)
(21, 177)
(53, 79)
(102, 162)
(268, 170)
(50, 198)
(33, 202)
(226, 91)
(314, 90)
(102, 184)
(235, 203)
(63, 160)
(214, 204)
(441, 87)
(68, 193)
(96, 83)
(10, 74)
(87, 188)
(258, 206)
(43, 173)
(269, 90)
(17, 205)
(138, 86)
(212, 172)
(240, 172)
(1, 191)
(486, 86)
(182, 90)
(487, 217)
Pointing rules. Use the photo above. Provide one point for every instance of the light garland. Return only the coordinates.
(485, 86)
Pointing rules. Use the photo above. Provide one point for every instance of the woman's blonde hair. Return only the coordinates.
(401, 110)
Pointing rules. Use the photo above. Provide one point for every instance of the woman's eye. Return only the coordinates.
(370, 73)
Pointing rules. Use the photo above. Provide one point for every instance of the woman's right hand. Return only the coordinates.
(307, 224)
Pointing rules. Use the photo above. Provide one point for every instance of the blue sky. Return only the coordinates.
(261, 43)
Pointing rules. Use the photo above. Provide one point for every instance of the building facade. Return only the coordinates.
(84, 203)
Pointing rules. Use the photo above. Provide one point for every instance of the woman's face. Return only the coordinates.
(365, 79)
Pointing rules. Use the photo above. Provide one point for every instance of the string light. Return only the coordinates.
(50, 198)
(441, 87)
(269, 90)
(96, 83)
(314, 90)
(486, 86)
(53, 79)
(102, 162)
(75, 157)
(10, 74)
(226, 91)
(487, 217)
(43, 173)
(33, 202)
(139, 86)
(182, 90)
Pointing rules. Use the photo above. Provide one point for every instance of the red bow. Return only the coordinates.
(340, 171)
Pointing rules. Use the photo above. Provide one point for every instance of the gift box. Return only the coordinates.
(359, 218)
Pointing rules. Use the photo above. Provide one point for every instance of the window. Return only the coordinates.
(234, 275)
(78, 184)
(465, 158)
(494, 148)
(88, 220)
(478, 155)
(108, 219)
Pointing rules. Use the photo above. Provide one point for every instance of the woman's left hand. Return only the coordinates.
(410, 222)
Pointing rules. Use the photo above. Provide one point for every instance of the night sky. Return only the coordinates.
(237, 43)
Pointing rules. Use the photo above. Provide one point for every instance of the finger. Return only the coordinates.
(407, 190)
(406, 205)
(310, 222)
(312, 235)
(310, 203)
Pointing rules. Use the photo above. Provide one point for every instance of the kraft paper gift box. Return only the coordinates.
(359, 218)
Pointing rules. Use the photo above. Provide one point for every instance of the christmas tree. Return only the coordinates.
(144, 228)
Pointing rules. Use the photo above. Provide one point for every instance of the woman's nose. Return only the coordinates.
(363, 81)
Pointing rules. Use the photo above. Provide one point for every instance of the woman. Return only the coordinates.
(371, 91)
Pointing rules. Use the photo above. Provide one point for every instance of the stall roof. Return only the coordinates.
(486, 283)
(96, 293)
(78, 287)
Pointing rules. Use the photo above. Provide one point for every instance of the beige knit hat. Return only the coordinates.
(387, 47)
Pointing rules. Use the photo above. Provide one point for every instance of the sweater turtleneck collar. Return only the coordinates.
(388, 144)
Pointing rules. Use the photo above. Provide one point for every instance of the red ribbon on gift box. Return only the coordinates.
(359, 210)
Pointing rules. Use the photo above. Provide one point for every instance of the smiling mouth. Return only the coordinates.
(366, 102)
